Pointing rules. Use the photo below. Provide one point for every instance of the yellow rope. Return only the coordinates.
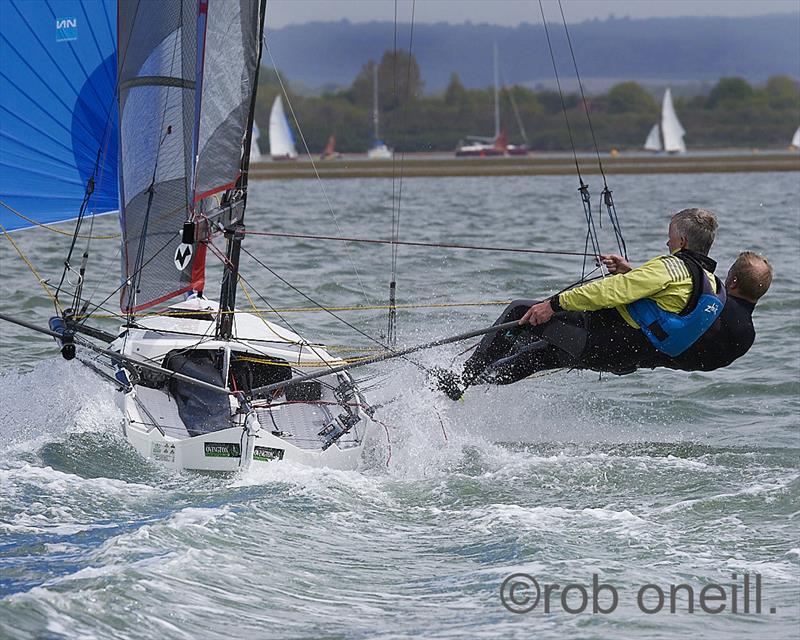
(49, 228)
(31, 267)
(443, 305)
(316, 364)
(345, 348)
(250, 300)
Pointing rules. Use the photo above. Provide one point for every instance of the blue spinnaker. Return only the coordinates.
(58, 111)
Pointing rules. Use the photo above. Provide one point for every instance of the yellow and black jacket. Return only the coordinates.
(665, 279)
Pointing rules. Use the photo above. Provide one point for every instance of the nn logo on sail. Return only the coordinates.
(66, 29)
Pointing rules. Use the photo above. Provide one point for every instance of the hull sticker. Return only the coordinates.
(222, 450)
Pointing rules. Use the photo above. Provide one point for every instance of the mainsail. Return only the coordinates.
(671, 128)
(186, 78)
(281, 141)
(58, 126)
(796, 139)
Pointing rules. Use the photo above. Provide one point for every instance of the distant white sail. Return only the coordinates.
(281, 141)
(671, 127)
(255, 151)
(796, 139)
(379, 150)
(653, 142)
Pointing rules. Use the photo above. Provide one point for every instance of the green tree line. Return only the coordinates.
(733, 114)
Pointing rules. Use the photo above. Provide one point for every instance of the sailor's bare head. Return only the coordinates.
(749, 277)
(693, 229)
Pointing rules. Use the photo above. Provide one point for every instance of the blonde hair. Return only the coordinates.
(698, 226)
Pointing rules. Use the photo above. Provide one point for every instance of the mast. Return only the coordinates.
(496, 97)
(375, 99)
(234, 232)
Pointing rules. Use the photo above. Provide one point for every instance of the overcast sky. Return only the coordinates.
(510, 12)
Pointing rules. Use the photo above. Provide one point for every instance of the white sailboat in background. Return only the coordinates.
(281, 140)
(795, 143)
(668, 134)
(653, 142)
(379, 150)
(255, 150)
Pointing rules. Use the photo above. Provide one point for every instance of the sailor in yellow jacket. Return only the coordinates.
(634, 318)
(665, 279)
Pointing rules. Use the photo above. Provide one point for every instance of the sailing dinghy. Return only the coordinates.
(668, 134)
(255, 150)
(202, 385)
(281, 140)
(379, 149)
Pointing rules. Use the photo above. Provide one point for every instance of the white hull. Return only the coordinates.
(188, 427)
(226, 450)
(380, 152)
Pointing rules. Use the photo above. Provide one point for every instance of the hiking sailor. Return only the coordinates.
(654, 315)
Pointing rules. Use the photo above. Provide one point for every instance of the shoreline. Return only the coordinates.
(536, 164)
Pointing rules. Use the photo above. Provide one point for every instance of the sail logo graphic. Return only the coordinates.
(183, 256)
(66, 29)
(712, 308)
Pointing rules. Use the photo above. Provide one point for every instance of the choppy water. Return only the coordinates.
(659, 477)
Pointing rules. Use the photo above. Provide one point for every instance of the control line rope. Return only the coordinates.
(53, 229)
(435, 245)
(35, 273)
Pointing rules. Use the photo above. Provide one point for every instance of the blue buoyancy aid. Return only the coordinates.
(673, 333)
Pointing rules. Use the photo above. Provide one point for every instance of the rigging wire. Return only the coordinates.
(32, 268)
(242, 282)
(125, 282)
(606, 197)
(561, 94)
(583, 95)
(586, 202)
(303, 343)
(314, 166)
(514, 107)
(331, 313)
(391, 333)
(436, 245)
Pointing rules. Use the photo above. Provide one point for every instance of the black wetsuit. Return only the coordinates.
(601, 341)
(598, 340)
(729, 338)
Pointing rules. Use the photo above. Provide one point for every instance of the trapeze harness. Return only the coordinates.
(674, 333)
